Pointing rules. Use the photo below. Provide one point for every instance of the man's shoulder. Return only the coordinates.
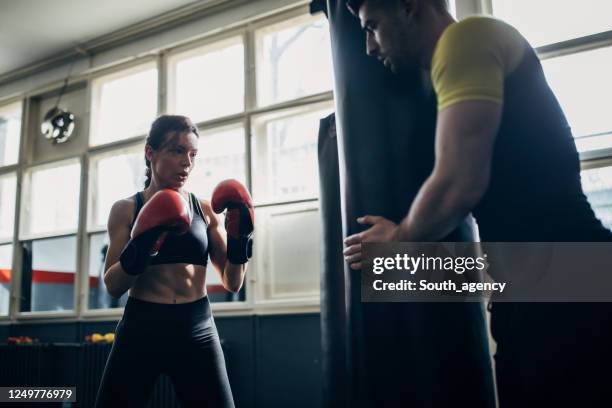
(479, 29)
(477, 38)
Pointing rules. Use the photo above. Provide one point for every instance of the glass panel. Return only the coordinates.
(99, 297)
(124, 105)
(6, 267)
(452, 8)
(115, 176)
(294, 60)
(285, 156)
(597, 185)
(550, 21)
(290, 262)
(208, 83)
(221, 155)
(49, 267)
(581, 83)
(8, 194)
(10, 133)
(53, 200)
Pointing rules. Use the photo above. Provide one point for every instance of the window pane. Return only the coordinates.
(581, 83)
(208, 83)
(221, 155)
(452, 8)
(124, 105)
(48, 285)
(8, 193)
(278, 247)
(115, 176)
(99, 297)
(52, 202)
(597, 185)
(550, 21)
(6, 267)
(285, 156)
(294, 60)
(10, 133)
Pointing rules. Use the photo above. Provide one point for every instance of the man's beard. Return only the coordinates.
(404, 66)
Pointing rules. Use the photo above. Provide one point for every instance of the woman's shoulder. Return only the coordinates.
(205, 204)
(123, 209)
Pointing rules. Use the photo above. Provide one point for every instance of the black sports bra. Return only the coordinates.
(190, 247)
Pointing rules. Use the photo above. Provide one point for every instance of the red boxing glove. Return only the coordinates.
(167, 211)
(239, 219)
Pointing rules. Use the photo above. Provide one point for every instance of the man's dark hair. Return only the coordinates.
(355, 5)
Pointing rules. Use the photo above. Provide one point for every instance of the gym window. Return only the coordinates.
(284, 146)
(113, 175)
(47, 234)
(564, 20)
(293, 59)
(123, 104)
(6, 271)
(50, 203)
(208, 82)
(580, 82)
(10, 131)
(597, 185)
(8, 195)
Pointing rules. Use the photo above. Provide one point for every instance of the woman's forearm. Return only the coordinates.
(117, 281)
(233, 276)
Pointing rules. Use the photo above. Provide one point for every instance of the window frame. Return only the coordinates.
(5, 173)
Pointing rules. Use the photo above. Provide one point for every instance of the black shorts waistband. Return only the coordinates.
(144, 310)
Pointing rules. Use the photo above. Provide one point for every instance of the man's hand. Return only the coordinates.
(381, 230)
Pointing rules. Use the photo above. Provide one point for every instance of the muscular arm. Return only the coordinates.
(464, 147)
(116, 280)
(232, 276)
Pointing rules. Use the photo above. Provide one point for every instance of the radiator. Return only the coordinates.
(79, 365)
(22, 365)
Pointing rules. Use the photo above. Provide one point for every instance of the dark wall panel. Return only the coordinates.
(288, 361)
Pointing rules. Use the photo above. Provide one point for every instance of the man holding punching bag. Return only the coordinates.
(504, 152)
(160, 242)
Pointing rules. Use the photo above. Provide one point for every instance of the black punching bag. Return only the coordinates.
(391, 354)
(333, 316)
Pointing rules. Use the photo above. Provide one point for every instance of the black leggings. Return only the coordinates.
(179, 340)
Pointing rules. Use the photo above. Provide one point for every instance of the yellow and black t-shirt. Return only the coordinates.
(535, 192)
(473, 58)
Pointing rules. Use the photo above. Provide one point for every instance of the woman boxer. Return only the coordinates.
(160, 241)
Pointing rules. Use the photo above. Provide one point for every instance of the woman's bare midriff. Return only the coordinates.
(170, 283)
